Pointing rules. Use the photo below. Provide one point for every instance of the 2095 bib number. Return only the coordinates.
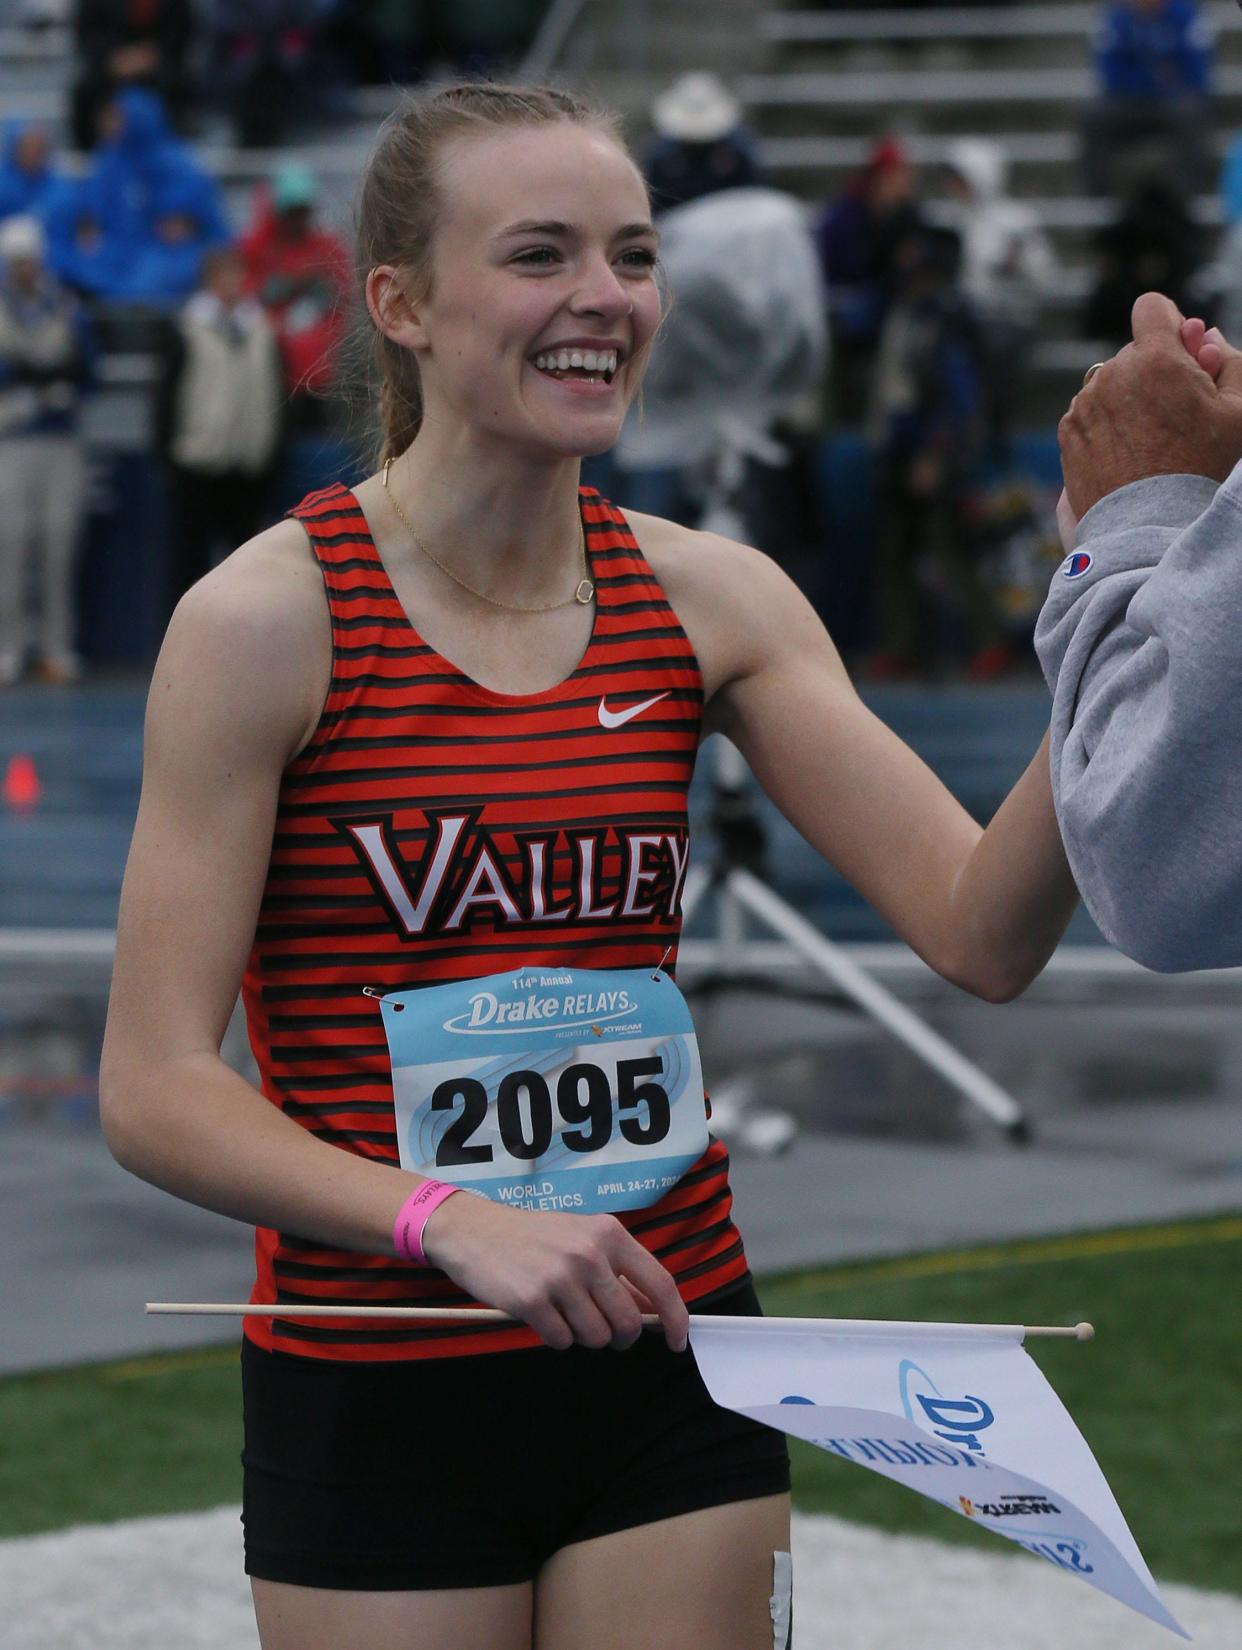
(584, 1102)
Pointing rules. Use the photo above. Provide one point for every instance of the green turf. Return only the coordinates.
(119, 1441)
(1158, 1396)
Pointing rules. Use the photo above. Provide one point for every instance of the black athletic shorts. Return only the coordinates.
(472, 1472)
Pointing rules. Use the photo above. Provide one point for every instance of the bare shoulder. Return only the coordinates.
(250, 644)
(272, 574)
(685, 560)
(736, 605)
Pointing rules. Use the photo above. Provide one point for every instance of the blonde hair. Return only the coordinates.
(400, 202)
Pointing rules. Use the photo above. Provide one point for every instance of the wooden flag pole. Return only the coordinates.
(487, 1314)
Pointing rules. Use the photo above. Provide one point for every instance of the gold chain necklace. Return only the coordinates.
(583, 594)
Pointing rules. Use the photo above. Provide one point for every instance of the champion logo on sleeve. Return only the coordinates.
(1075, 565)
(618, 718)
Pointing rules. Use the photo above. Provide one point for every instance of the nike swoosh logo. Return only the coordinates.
(618, 718)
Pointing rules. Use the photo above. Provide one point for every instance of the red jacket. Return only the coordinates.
(304, 284)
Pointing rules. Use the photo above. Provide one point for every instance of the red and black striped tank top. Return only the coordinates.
(434, 830)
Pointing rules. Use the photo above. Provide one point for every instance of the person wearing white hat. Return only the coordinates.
(701, 143)
(46, 363)
(22, 238)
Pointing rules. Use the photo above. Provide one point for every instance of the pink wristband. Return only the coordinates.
(407, 1232)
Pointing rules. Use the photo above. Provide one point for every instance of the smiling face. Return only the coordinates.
(543, 299)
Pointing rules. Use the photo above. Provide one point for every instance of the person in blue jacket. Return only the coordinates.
(138, 159)
(27, 174)
(84, 251)
(138, 222)
(184, 225)
(1153, 64)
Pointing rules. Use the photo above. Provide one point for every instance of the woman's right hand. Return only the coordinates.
(572, 1278)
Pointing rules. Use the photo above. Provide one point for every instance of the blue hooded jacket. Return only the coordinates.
(143, 159)
(22, 191)
(163, 270)
(103, 228)
(81, 249)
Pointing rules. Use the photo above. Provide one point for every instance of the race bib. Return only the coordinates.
(576, 1089)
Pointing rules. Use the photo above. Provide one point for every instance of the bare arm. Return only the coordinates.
(984, 908)
(237, 689)
(173, 1112)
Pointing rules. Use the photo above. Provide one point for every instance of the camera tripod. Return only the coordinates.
(738, 883)
(731, 957)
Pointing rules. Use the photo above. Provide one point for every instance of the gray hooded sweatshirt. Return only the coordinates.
(1141, 642)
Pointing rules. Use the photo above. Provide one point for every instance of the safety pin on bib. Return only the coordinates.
(370, 991)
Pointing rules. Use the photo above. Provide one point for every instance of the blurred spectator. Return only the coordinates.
(139, 165)
(1008, 267)
(184, 224)
(483, 36)
(926, 426)
(301, 275)
(701, 145)
(1153, 61)
(726, 435)
(80, 250)
(129, 43)
(385, 41)
(392, 42)
(217, 423)
(270, 65)
(861, 237)
(1153, 246)
(136, 224)
(27, 175)
(46, 364)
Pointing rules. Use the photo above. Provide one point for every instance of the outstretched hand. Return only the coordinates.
(1169, 403)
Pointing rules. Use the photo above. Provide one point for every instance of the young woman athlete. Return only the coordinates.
(437, 733)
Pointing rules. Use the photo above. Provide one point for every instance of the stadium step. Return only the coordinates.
(1043, 164)
(1013, 23)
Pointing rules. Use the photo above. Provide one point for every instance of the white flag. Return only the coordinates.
(958, 1412)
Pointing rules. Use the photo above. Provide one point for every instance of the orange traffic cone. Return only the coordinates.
(22, 788)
